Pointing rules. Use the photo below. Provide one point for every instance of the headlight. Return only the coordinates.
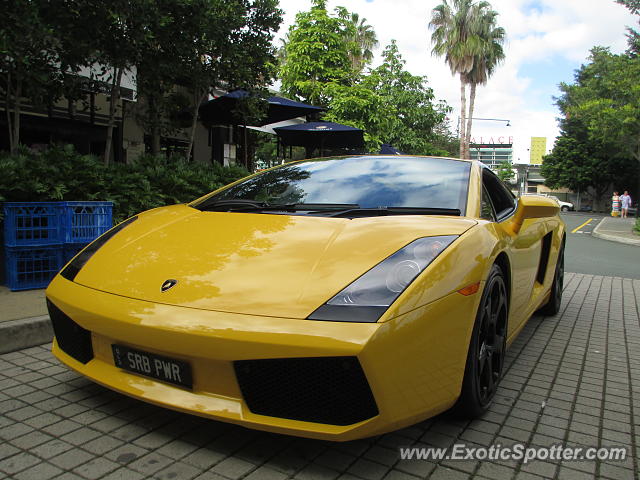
(367, 298)
(71, 270)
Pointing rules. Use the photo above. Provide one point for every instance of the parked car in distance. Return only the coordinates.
(564, 206)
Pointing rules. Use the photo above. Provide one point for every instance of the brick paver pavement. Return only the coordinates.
(572, 379)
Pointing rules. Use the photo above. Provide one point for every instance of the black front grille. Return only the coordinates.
(74, 340)
(330, 390)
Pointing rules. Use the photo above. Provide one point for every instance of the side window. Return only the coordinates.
(502, 199)
(486, 209)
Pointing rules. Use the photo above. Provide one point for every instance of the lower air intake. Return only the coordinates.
(329, 390)
(72, 339)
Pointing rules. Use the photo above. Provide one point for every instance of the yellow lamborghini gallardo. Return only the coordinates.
(335, 298)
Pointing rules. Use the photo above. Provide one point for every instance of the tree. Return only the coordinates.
(453, 38)
(234, 50)
(577, 163)
(119, 35)
(605, 99)
(323, 58)
(416, 118)
(43, 45)
(580, 162)
(485, 62)
(360, 37)
(574, 163)
(361, 107)
(391, 105)
(633, 37)
(158, 68)
(28, 60)
(599, 143)
(315, 55)
(464, 33)
(505, 171)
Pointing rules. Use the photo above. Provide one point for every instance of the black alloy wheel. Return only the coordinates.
(487, 349)
(555, 299)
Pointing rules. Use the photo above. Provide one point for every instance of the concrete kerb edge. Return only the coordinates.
(25, 333)
(614, 238)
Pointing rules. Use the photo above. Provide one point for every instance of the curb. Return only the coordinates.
(614, 238)
(25, 333)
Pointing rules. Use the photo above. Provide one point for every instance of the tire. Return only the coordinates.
(487, 348)
(555, 299)
(565, 209)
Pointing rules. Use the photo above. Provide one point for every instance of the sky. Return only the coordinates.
(547, 40)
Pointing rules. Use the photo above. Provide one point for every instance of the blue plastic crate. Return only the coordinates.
(32, 223)
(83, 222)
(32, 267)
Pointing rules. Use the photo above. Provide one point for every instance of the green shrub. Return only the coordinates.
(636, 227)
(60, 173)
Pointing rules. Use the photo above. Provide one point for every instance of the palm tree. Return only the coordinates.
(485, 63)
(460, 31)
(361, 36)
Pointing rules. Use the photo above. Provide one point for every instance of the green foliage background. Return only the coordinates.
(60, 173)
(599, 145)
(389, 103)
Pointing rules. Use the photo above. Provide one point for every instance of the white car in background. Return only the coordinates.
(564, 206)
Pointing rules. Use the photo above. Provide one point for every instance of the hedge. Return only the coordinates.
(60, 173)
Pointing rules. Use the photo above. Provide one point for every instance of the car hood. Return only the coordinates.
(258, 264)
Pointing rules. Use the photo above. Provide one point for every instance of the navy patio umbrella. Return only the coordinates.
(387, 149)
(220, 110)
(321, 135)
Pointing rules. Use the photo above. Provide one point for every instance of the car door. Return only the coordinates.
(523, 248)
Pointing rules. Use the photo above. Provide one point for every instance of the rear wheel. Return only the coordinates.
(487, 349)
(555, 298)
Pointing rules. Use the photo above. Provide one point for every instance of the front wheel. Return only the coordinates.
(565, 209)
(487, 348)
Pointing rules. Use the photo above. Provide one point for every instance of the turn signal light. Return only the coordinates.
(470, 289)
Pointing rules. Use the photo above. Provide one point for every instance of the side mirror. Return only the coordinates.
(533, 206)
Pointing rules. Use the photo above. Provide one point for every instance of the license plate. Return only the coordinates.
(151, 365)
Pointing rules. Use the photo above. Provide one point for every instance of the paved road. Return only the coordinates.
(571, 379)
(591, 255)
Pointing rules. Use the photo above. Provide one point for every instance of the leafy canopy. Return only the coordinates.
(598, 141)
(606, 98)
(415, 113)
(505, 171)
(315, 55)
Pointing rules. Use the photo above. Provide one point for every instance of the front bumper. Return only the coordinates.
(413, 364)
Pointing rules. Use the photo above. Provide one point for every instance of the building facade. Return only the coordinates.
(491, 154)
(83, 124)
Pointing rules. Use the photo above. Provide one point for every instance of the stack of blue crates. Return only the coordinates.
(41, 237)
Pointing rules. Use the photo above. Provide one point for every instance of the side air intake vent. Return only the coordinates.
(545, 250)
(74, 340)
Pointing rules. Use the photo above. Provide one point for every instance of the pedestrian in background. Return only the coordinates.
(625, 203)
(615, 205)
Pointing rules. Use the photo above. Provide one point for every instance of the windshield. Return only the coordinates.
(363, 182)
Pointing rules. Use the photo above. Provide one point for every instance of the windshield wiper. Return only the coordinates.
(381, 211)
(232, 204)
(322, 207)
(242, 205)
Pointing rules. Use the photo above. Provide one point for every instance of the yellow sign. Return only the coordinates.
(538, 149)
